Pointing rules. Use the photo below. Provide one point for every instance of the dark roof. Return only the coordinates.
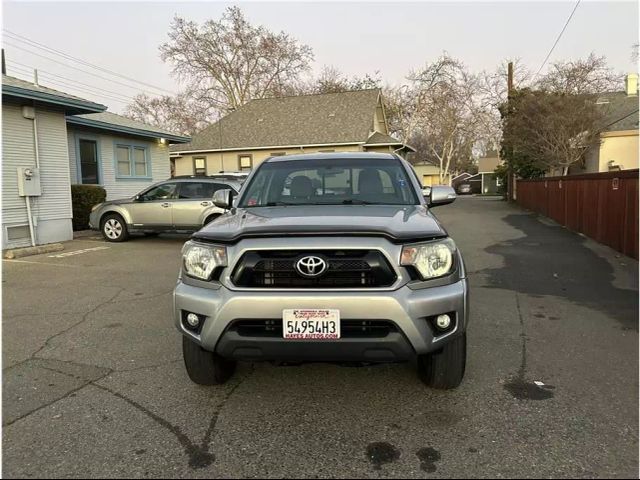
(340, 155)
(14, 87)
(331, 118)
(621, 111)
(118, 123)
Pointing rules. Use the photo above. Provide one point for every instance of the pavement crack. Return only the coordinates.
(148, 367)
(84, 319)
(85, 381)
(518, 386)
(199, 455)
(48, 404)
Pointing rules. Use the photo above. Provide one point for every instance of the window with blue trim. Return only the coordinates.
(132, 162)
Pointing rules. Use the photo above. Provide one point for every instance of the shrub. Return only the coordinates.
(83, 198)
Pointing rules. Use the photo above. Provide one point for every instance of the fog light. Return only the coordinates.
(193, 320)
(443, 321)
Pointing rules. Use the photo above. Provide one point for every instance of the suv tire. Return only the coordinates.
(204, 367)
(114, 228)
(445, 369)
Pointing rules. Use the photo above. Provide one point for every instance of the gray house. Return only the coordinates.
(50, 140)
(120, 154)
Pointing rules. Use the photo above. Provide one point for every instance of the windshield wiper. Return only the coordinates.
(355, 201)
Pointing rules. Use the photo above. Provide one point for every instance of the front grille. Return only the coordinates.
(348, 328)
(345, 269)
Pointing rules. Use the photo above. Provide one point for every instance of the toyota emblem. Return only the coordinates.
(311, 266)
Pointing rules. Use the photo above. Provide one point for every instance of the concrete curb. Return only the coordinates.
(27, 251)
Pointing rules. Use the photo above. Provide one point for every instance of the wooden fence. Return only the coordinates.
(603, 206)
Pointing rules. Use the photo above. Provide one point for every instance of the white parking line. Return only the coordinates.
(78, 252)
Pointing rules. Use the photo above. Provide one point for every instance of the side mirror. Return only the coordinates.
(223, 198)
(442, 195)
(426, 192)
(139, 198)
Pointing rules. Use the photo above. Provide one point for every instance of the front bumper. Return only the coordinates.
(408, 308)
(94, 219)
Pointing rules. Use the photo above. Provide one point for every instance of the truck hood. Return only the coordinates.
(399, 223)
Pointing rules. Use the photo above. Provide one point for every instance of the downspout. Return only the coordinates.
(27, 199)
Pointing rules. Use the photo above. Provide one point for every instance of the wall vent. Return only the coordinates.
(18, 232)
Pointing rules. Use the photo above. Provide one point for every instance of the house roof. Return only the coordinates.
(14, 87)
(378, 138)
(621, 111)
(118, 123)
(333, 118)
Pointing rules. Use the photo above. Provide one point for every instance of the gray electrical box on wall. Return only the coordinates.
(29, 182)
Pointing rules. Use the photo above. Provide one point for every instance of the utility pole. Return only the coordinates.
(510, 179)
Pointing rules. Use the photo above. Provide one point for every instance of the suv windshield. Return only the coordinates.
(332, 181)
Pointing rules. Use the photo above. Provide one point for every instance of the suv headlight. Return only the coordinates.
(432, 259)
(200, 260)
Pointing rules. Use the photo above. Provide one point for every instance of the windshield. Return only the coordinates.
(332, 181)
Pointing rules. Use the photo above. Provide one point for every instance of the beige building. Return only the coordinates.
(336, 122)
(430, 174)
(618, 149)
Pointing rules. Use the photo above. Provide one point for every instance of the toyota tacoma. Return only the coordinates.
(332, 257)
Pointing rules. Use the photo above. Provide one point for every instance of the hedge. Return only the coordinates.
(83, 198)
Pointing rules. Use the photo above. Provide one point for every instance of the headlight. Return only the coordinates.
(432, 259)
(95, 207)
(200, 260)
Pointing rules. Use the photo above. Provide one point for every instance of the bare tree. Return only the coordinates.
(589, 75)
(332, 80)
(229, 62)
(439, 108)
(181, 114)
(493, 91)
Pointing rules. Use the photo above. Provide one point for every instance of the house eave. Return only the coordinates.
(128, 130)
(73, 106)
(178, 153)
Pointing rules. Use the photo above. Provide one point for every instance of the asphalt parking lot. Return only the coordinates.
(93, 381)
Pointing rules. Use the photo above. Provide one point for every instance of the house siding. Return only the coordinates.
(118, 188)
(228, 161)
(51, 211)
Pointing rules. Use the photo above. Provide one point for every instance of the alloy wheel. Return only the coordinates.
(112, 228)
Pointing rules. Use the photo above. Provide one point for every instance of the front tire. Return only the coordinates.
(445, 369)
(113, 228)
(204, 367)
(210, 219)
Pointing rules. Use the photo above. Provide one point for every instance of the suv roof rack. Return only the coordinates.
(214, 175)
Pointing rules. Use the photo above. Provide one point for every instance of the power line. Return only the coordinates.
(41, 46)
(558, 39)
(68, 81)
(50, 74)
(76, 68)
(66, 85)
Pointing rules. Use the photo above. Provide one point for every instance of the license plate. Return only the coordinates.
(311, 324)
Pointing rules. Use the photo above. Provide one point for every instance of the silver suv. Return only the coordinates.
(330, 258)
(177, 204)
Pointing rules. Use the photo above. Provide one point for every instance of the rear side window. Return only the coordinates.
(199, 190)
(161, 192)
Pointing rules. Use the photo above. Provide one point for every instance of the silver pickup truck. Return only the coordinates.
(325, 258)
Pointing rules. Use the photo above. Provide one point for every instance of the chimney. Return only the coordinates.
(631, 84)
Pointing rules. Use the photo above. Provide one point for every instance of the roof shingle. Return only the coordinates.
(345, 117)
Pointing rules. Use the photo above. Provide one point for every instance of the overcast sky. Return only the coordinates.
(357, 38)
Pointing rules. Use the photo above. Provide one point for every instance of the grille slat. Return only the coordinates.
(348, 328)
(346, 269)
